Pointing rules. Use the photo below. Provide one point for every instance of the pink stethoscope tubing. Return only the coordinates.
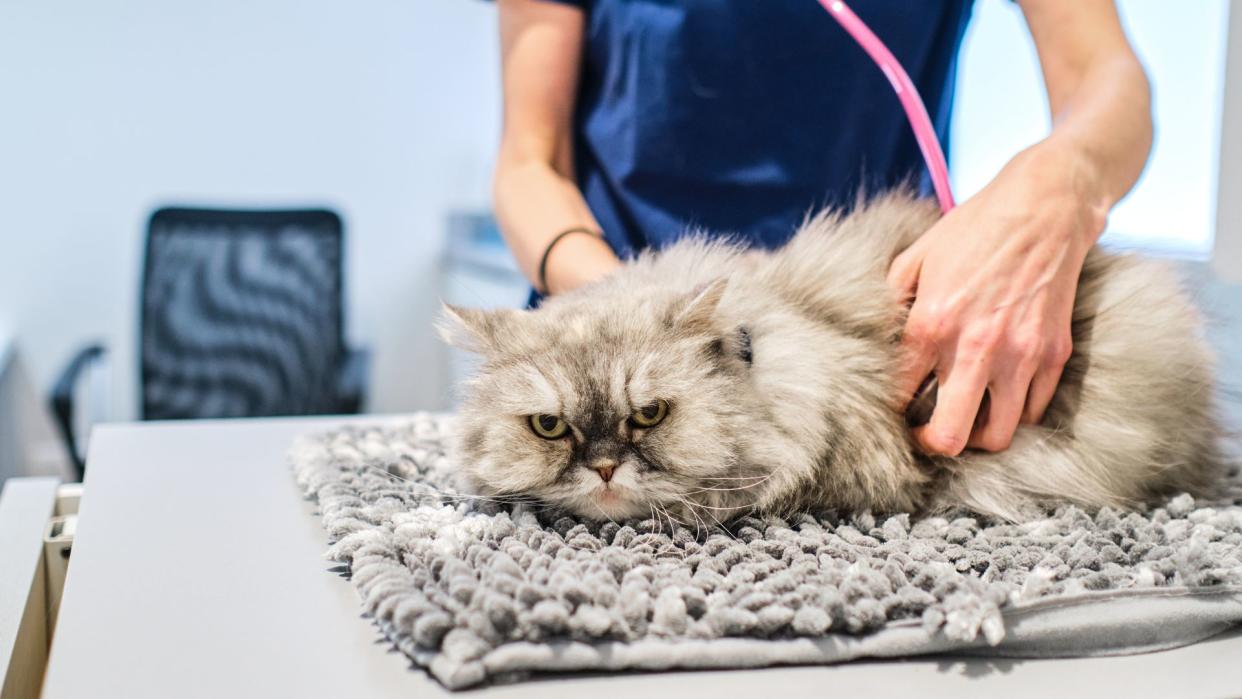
(916, 112)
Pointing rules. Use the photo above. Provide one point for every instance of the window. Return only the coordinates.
(1001, 108)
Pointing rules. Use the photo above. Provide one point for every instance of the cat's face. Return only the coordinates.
(612, 404)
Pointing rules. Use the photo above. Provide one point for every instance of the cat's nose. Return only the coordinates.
(604, 469)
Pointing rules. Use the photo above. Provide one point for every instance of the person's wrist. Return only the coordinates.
(577, 260)
(1059, 176)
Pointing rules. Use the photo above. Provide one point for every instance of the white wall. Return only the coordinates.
(386, 110)
(1002, 107)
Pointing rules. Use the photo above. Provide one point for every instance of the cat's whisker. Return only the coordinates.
(718, 509)
(672, 529)
(707, 488)
(699, 520)
(707, 510)
(723, 528)
(660, 511)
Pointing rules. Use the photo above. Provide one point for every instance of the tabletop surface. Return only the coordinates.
(198, 570)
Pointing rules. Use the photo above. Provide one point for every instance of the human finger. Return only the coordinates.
(957, 404)
(1047, 378)
(1005, 403)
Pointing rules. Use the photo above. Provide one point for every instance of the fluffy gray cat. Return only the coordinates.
(707, 381)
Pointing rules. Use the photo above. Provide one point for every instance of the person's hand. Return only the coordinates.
(993, 285)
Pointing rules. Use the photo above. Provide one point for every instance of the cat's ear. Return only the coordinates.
(698, 309)
(474, 329)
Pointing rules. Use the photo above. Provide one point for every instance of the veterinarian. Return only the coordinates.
(627, 123)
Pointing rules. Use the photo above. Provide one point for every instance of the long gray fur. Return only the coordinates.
(803, 414)
(477, 591)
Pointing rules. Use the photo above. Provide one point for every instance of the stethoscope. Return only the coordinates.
(921, 406)
(916, 112)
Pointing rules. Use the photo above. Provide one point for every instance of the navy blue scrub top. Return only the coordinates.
(740, 116)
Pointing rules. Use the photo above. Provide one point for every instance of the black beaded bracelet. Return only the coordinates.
(543, 261)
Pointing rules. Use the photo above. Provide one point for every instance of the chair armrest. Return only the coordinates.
(352, 380)
(62, 398)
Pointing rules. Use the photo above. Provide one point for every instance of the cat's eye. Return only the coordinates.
(548, 426)
(650, 415)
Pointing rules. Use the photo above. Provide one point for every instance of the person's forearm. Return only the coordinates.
(533, 203)
(1107, 121)
(1101, 114)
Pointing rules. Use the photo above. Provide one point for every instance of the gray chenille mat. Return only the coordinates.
(478, 592)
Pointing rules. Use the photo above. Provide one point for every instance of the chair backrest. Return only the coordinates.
(241, 313)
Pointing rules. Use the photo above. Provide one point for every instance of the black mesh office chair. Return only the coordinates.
(241, 316)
